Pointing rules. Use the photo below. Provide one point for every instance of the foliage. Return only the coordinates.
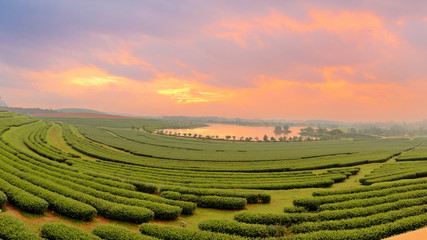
(63, 231)
(114, 232)
(14, 229)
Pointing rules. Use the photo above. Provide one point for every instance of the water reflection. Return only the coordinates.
(223, 130)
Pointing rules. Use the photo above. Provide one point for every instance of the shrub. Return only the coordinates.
(66, 206)
(23, 199)
(251, 197)
(3, 199)
(360, 222)
(295, 209)
(63, 231)
(114, 232)
(241, 229)
(14, 229)
(189, 198)
(264, 218)
(229, 203)
(175, 233)
(376, 232)
(145, 187)
(171, 195)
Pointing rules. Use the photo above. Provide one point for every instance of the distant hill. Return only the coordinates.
(19, 110)
(79, 115)
(78, 110)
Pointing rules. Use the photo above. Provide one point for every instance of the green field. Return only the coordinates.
(99, 178)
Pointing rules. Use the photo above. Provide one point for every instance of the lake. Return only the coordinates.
(222, 130)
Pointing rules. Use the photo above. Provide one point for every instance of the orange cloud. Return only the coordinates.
(185, 91)
(334, 98)
(333, 21)
(81, 81)
(123, 57)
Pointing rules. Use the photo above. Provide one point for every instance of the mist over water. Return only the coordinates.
(223, 130)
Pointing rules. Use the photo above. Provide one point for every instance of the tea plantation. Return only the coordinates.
(81, 178)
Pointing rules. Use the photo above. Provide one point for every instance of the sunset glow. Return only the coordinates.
(272, 60)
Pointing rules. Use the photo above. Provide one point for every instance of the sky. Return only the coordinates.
(291, 60)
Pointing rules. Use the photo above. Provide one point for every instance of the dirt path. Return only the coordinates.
(420, 234)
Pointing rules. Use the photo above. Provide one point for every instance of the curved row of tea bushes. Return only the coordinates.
(376, 232)
(360, 222)
(358, 203)
(249, 196)
(313, 203)
(145, 187)
(105, 208)
(114, 232)
(95, 197)
(370, 188)
(154, 203)
(22, 199)
(419, 153)
(12, 228)
(242, 229)
(63, 231)
(3, 198)
(35, 147)
(229, 203)
(57, 202)
(164, 209)
(61, 168)
(396, 171)
(90, 148)
(175, 233)
(294, 218)
(35, 159)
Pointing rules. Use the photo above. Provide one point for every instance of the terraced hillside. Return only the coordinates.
(87, 172)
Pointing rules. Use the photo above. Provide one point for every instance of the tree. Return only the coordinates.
(265, 138)
(286, 129)
(336, 132)
(227, 137)
(278, 129)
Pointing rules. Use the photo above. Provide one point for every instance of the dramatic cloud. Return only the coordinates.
(338, 60)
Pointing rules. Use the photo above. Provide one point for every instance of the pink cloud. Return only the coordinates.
(241, 29)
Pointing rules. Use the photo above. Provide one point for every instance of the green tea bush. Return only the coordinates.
(22, 199)
(114, 232)
(263, 218)
(145, 187)
(370, 188)
(12, 228)
(241, 229)
(175, 233)
(376, 232)
(171, 195)
(229, 203)
(3, 199)
(63, 231)
(63, 205)
(250, 196)
(360, 222)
